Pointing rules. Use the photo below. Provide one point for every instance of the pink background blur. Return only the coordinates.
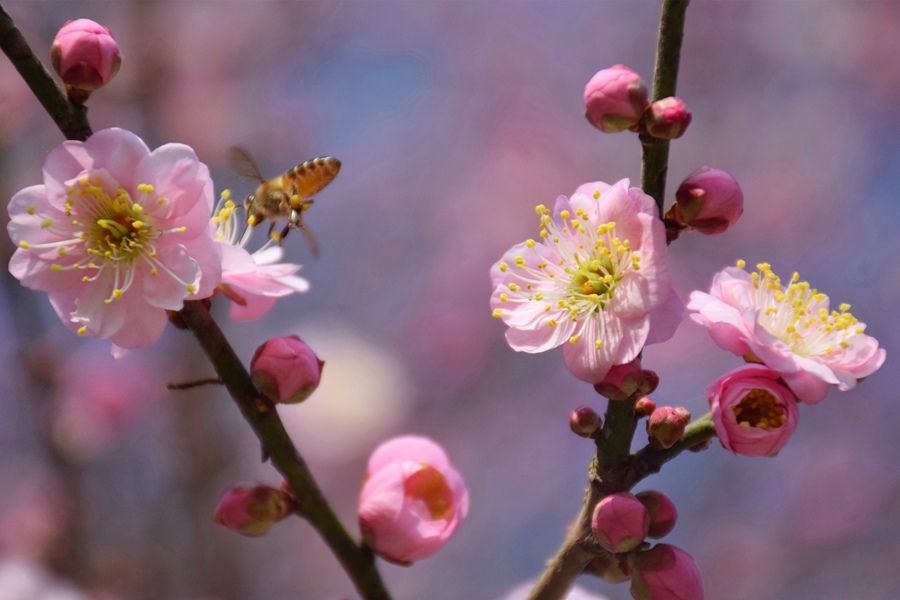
(453, 119)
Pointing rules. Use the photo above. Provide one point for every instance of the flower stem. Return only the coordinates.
(71, 119)
(278, 447)
(615, 469)
(668, 53)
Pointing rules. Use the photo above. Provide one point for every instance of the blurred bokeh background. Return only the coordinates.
(453, 119)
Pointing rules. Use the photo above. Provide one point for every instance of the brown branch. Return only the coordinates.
(278, 447)
(71, 119)
(655, 157)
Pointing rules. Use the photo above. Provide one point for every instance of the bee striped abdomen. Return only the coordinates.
(311, 176)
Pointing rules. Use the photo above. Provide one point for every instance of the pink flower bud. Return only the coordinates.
(286, 369)
(662, 512)
(666, 426)
(620, 523)
(615, 99)
(85, 55)
(412, 500)
(611, 568)
(650, 383)
(753, 413)
(621, 381)
(668, 118)
(665, 572)
(585, 421)
(644, 407)
(251, 509)
(709, 200)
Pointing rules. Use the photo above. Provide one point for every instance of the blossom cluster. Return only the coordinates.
(798, 347)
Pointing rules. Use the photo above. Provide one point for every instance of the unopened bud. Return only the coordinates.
(709, 200)
(615, 99)
(665, 572)
(251, 510)
(662, 512)
(584, 421)
(644, 407)
(666, 426)
(621, 381)
(85, 56)
(650, 383)
(620, 523)
(668, 118)
(286, 369)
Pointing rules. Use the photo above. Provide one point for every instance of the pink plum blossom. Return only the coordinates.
(597, 283)
(412, 500)
(754, 415)
(286, 369)
(621, 381)
(253, 282)
(85, 54)
(665, 572)
(615, 99)
(251, 510)
(790, 329)
(117, 235)
(709, 200)
(620, 523)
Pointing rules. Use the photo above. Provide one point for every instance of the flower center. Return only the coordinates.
(592, 261)
(760, 409)
(798, 314)
(430, 486)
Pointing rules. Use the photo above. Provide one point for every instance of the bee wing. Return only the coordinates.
(296, 222)
(241, 161)
(310, 238)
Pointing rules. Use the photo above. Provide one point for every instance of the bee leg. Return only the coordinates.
(284, 232)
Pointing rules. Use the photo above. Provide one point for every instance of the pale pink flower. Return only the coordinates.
(620, 523)
(117, 235)
(253, 282)
(754, 415)
(412, 500)
(665, 572)
(596, 284)
(85, 54)
(790, 329)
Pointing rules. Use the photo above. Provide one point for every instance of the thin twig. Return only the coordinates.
(278, 447)
(668, 54)
(71, 119)
(187, 385)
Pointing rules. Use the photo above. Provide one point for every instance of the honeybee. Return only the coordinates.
(286, 196)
